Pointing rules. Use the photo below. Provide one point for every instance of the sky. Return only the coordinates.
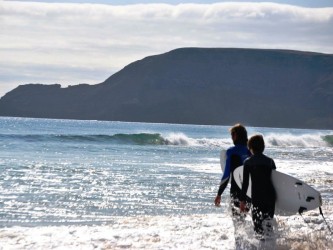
(72, 42)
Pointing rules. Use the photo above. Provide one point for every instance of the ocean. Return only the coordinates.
(69, 184)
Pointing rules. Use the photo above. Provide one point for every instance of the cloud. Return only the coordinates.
(61, 40)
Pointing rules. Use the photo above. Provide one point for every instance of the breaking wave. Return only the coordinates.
(304, 140)
(328, 139)
(138, 138)
(177, 139)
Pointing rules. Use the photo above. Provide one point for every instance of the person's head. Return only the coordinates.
(256, 144)
(238, 134)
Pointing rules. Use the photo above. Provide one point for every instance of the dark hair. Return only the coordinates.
(256, 144)
(241, 133)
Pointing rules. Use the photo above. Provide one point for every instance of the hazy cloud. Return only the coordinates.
(67, 43)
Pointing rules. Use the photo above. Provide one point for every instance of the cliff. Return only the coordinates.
(274, 88)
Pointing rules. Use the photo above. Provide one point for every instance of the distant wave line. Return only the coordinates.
(140, 138)
(177, 139)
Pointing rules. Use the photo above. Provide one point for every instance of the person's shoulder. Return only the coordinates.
(267, 158)
(231, 150)
(270, 161)
(237, 148)
(248, 159)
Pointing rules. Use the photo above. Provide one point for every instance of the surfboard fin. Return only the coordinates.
(301, 210)
(309, 198)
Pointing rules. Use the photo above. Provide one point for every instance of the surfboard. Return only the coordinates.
(223, 157)
(293, 195)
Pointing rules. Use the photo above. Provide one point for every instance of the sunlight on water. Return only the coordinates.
(133, 185)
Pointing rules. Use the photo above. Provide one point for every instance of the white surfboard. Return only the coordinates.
(223, 157)
(293, 195)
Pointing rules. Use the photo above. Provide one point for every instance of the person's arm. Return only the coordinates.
(224, 180)
(245, 185)
(223, 185)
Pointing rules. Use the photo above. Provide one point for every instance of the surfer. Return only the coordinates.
(259, 167)
(235, 157)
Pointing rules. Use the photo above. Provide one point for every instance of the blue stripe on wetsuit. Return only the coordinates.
(240, 150)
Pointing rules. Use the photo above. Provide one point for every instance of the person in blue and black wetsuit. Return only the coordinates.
(259, 167)
(235, 157)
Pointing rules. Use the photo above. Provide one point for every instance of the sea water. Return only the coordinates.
(67, 184)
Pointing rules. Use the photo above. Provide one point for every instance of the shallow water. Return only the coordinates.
(92, 184)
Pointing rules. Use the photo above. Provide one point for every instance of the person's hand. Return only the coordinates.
(242, 207)
(218, 200)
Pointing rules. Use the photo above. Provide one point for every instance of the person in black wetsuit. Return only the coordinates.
(235, 157)
(259, 167)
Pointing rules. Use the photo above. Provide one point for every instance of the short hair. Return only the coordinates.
(256, 144)
(241, 133)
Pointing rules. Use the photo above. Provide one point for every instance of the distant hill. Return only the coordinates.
(273, 88)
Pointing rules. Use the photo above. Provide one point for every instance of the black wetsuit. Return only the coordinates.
(263, 194)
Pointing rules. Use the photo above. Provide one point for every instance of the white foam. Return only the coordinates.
(146, 232)
(291, 140)
(211, 231)
(180, 139)
(271, 140)
(184, 140)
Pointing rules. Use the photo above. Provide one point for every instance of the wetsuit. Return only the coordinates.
(263, 194)
(235, 158)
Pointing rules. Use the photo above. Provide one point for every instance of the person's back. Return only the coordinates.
(260, 168)
(237, 156)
